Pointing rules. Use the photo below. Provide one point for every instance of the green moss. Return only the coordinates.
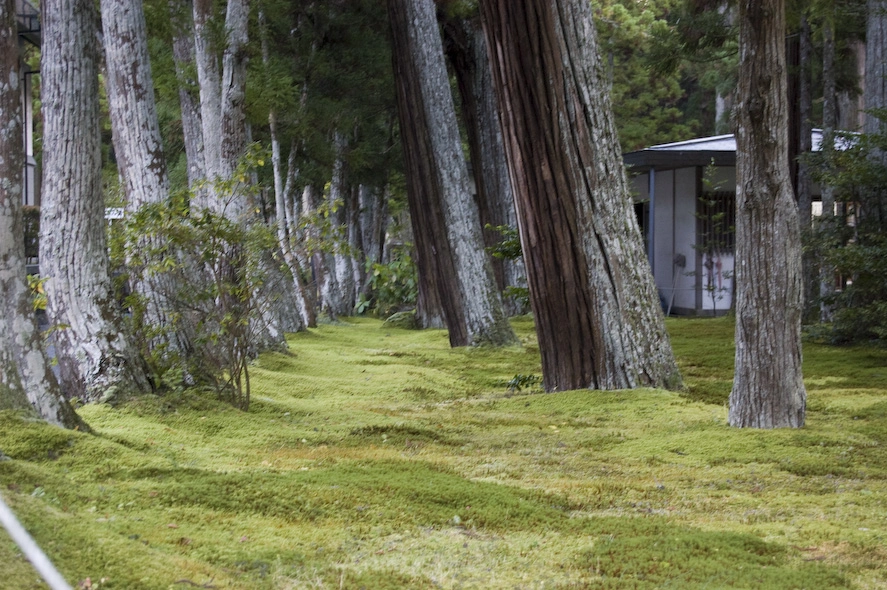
(381, 458)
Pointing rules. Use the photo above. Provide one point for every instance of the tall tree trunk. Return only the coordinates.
(829, 123)
(96, 359)
(446, 225)
(768, 389)
(282, 196)
(875, 92)
(26, 382)
(597, 312)
(210, 81)
(233, 104)
(139, 150)
(467, 49)
(181, 12)
(805, 180)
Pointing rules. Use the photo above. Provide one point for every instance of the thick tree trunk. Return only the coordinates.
(96, 358)
(446, 225)
(139, 150)
(181, 12)
(26, 382)
(467, 49)
(597, 312)
(233, 104)
(768, 389)
(210, 81)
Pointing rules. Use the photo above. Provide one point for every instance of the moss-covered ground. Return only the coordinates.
(379, 458)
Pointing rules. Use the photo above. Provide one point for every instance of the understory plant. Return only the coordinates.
(855, 243)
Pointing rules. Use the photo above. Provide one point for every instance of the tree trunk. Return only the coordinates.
(467, 49)
(96, 358)
(26, 382)
(446, 225)
(282, 196)
(805, 180)
(768, 389)
(829, 122)
(875, 91)
(597, 312)
(139, 150)
(233, 103)
(189, 98)
(209, 79)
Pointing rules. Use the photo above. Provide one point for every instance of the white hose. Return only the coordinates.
(34, 554)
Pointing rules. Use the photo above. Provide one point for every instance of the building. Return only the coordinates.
(28, 21)
(685, 195)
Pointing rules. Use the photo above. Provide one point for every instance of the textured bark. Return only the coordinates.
(467, 51)
(373, 207)
(183, 52)
(283, 195)
(210, 82)
(137, 144)
(768, 389)
(875, 92)
(446, 225)
(338, 284)
(26, 382)
(597, 312)
(139, 150)
(96, 358)
(233, 101)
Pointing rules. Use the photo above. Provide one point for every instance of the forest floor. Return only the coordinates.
(375, 457)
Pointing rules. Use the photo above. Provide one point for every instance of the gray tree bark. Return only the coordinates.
(210, 82)
(181, 12)
(768, 389)
(139, 150)
(875, 91)
(446, 224)
(467, 49)
(597, 312)
(96, 359)
(26, 382)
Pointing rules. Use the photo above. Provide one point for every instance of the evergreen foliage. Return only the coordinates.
(856, 244)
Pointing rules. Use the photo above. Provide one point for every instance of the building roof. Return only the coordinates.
(702, 151)
(27, 19)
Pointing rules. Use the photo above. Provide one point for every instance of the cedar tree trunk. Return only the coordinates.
(446, 225)
(26, 382)
(768, 389)
(597, 312)
(96, 359)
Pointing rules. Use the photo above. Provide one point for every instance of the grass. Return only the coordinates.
(376, 458)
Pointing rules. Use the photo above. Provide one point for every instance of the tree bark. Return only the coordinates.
(768, 389)
(446, 225)
(875, 91)
(210, 81)
(139, 150)
(96, 359)
(467, 50)
(26, 382)
(597, 312)
(181, 11)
